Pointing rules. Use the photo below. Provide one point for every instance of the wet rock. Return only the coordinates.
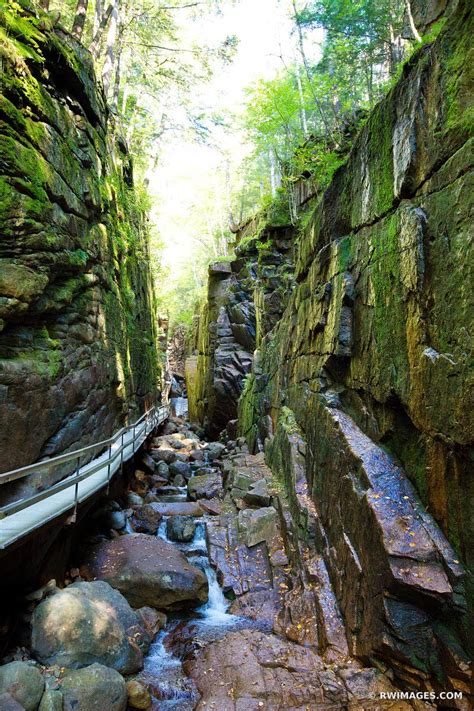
(163, 454)
(151, 620)
(170, 428)
(52, 700)
(271, 673)
(231, 429)
(146, 519)
(258, 525)
(257, 494)
(176, 443)
(148, 572)
(181, 528)
(163, 469)
(182, 468)
(110, 516)
(241, 569)
(23, 682)
(115, 520)
(148, 462)
(179, 480)
(134, 499)
(92, 688)
(206, 486)
(215, 450)
(138, 695)
(197, 455)
(8, 703)
(89, 622)
(212, 507)
(188, 508)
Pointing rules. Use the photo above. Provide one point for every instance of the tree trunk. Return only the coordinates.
(98, 9)
(94, 47)
(118, 67)
(304, 122)
(110, 56)
(307, 69)
(411, 22)
(44, 5)
(79, 19)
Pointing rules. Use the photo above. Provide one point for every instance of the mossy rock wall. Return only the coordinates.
(374, 359)
(78, 354)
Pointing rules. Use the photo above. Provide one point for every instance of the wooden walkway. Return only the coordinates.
(22, 517)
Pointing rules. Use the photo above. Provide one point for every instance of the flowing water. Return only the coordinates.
(163, 671)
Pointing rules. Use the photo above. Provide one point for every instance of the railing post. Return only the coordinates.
(76, 490)
(121, 454)
(108, 468)
(133, 439)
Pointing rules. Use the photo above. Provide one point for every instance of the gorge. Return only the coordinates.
(302, 537)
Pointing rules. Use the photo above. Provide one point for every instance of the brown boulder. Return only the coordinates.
(147, 571)
(146, 519)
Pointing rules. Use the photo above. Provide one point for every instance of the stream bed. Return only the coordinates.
(186, 632)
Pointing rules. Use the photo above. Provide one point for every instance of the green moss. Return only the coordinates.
(459, 79)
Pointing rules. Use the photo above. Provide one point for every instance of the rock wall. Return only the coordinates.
(370, 364)
(245, 298)
(78, 336)
(361, 393)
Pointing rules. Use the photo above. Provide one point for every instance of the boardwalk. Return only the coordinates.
(21, 518)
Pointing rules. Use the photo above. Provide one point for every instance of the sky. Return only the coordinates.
(186, 169)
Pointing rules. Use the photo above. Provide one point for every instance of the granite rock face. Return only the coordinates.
(238, 308)
(77, 348)
(361, 387)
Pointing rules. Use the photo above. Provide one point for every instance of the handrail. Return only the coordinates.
(116, 447)
(21, 472)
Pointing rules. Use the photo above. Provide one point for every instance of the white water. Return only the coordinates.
(179, 405)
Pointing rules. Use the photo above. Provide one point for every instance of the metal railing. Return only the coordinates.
(115, 450)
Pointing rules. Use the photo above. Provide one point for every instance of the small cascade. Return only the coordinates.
(164, 675)
(214, 611)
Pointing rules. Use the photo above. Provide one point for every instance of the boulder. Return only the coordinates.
(23, 682)
(188, 508)
(182, 468)
(87, 623)
(134, 499)
(138, 695)
(206, 486)
(215, 450)
(212, 507)
(197, 455)
(176, 443)
(148, 572)
(170, 428)
(94, 688)
(179, 480)
(148, 462)
(163, 469)
(146, 518)
(52, 700)
(257, 525)
(163, 454)
(151, 620)
(8, 703)
(181, 528)
(258, 495)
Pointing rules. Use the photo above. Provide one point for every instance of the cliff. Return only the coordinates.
(361, 393)
(78, 341)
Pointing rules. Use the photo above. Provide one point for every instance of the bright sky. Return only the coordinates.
(185, 168)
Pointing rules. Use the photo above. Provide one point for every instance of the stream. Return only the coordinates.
(185, 632)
